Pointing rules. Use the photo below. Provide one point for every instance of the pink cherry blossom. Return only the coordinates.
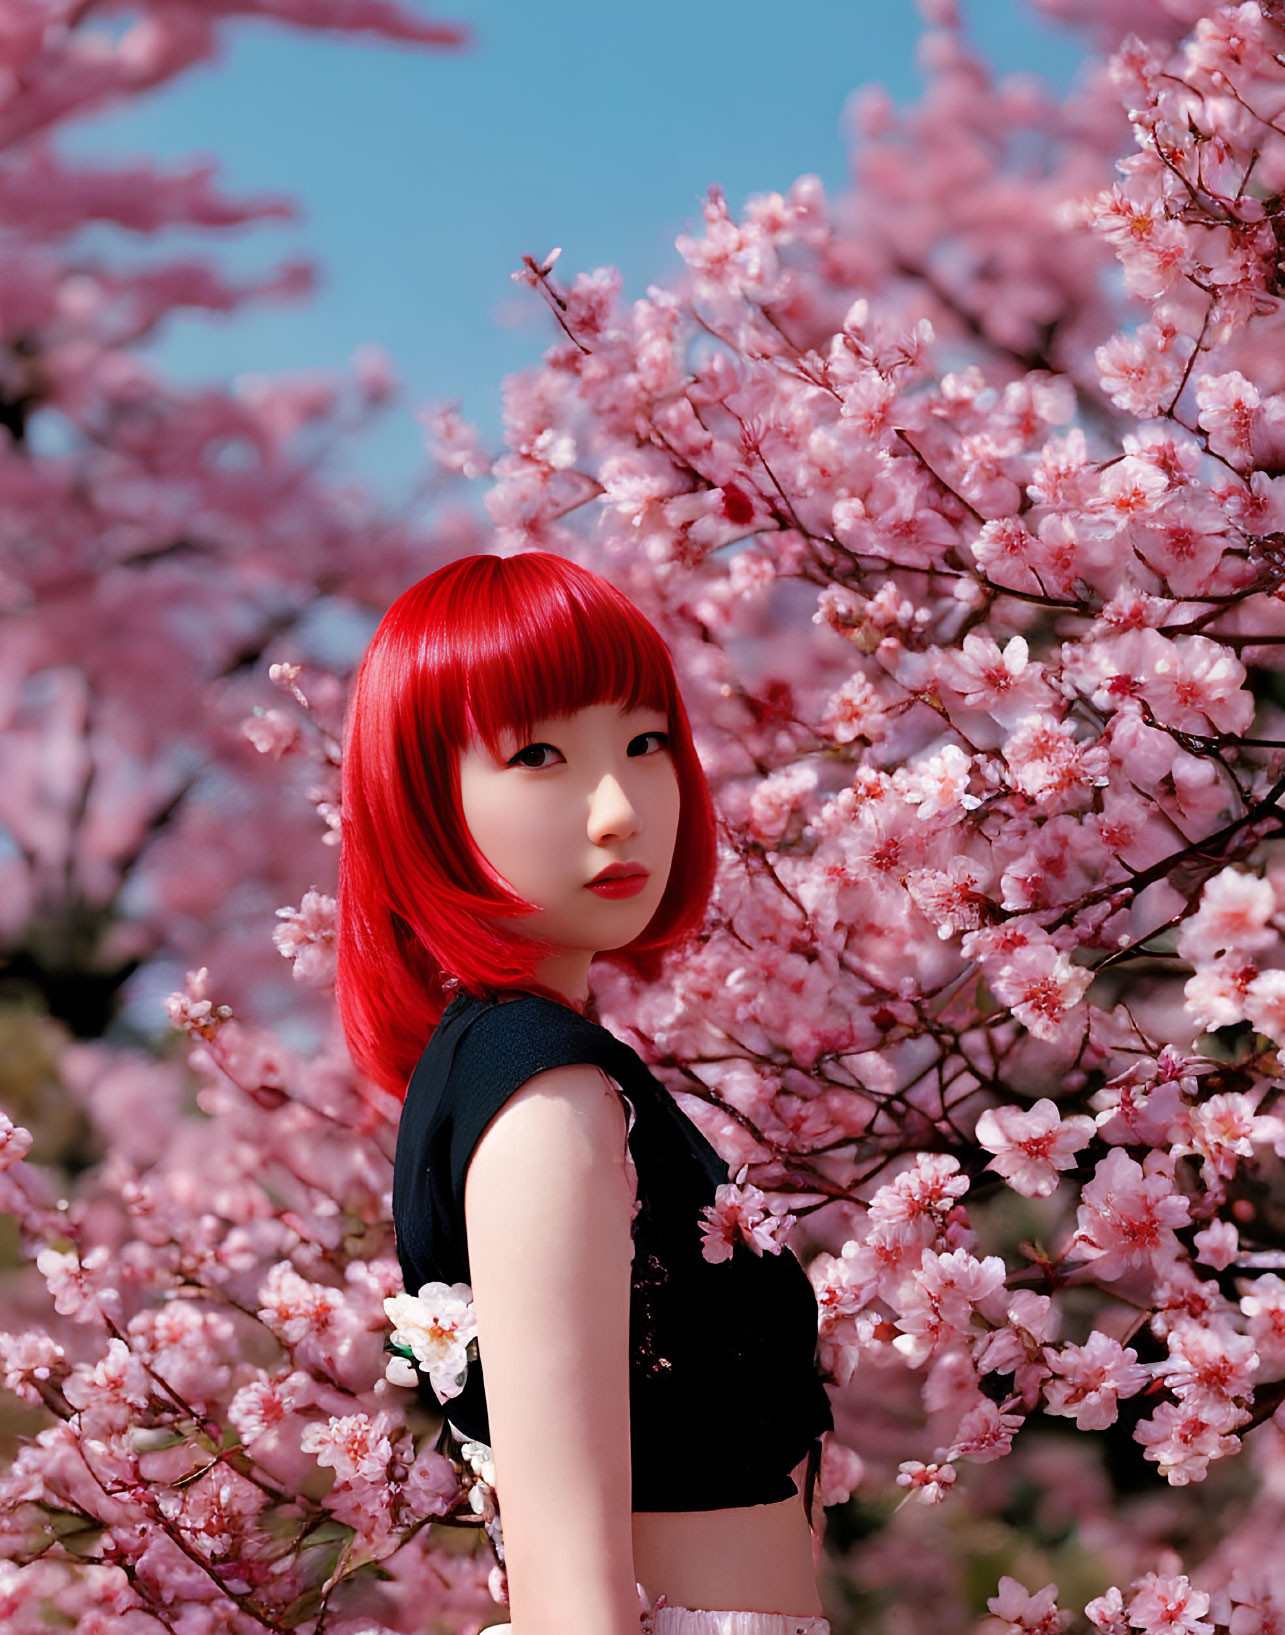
(938, 785)
(452, 442)
(952, 898)
(1193, 684)
(929, 1188)
(1217, 1245)
(295, 1308)
(1222, 1130)
(842, 1472)
(1014, 1608)
(1235, 911)
(741, 1214)
(308, 938)
(1217, 994)
(1137, 373)
(937, 1301)
(985, 1433)
(272, 732)
(856, 710)
(1181, 1295)
(263, 1404)
(1263, 1002)
(192, 1011)
(1048, 765)
(1090, 1379)
(431, 1484)
(1142, 1103)
(1182, 1440)
(1162, 1603)
(29, 1361)
(1127, 1218)
(1132, 490)
(354, 1446)
(1229, 407)
(957, 1282)
(1154, 250)
(1106, 1613)
(1018, 1346)
(927, 1483)
(1041, 985)
(1263, 1303)
(1007, 552)
(15, 1142)
(113, 1389)
(986, 676)
(1209, 1366)
(1031, 1145)
(776, 799)
(77, 1288)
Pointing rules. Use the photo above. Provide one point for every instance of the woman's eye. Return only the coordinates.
(535, 755)
(648, 743)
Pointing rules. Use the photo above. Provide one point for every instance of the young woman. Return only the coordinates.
(521, 796)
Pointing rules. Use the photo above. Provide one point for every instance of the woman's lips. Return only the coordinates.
(624, 885)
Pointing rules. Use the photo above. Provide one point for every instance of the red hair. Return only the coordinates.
(485, 644)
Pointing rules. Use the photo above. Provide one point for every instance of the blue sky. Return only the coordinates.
(422, 177)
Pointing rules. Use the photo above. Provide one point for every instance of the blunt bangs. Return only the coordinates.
(523, 643)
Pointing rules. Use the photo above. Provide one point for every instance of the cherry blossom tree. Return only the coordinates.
(961, 501)
(159, 543)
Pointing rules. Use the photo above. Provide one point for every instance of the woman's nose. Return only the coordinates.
(611, 813)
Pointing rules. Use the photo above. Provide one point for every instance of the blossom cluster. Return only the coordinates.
(159, 542)
(741, 1213)
(431, 1333)
(212, 1366)
(1156, 1604)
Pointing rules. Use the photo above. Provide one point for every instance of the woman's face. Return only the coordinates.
(588, 792)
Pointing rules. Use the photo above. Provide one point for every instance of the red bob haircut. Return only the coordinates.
(485, 644)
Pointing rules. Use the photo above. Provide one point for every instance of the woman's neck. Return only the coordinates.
(567, 975)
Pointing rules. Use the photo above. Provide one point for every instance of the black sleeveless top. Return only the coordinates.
(724, 1396)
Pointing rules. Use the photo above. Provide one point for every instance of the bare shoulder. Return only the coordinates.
(562, 1120)
(558, 1142)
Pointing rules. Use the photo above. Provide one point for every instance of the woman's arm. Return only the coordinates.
(547, 1206)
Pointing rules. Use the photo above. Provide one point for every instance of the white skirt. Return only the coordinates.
(688, 1621)
(666, 1620)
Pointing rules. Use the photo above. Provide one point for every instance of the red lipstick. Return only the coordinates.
(619, 880)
